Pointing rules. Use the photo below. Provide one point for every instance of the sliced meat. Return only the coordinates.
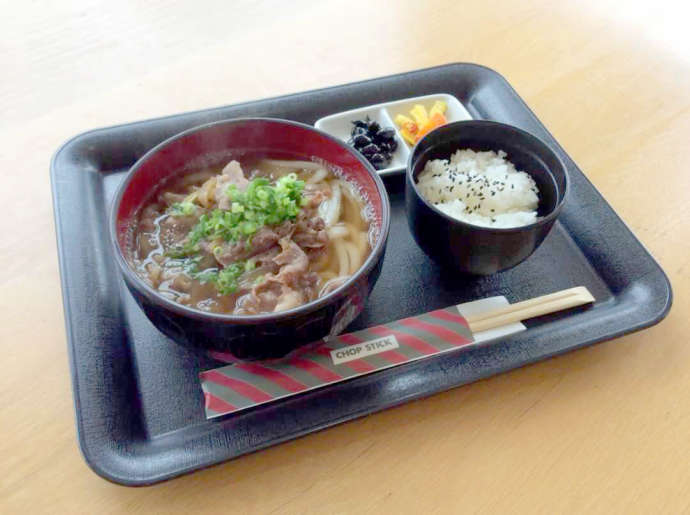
(273, 295)
(308, 283)
(292, 286)
(292, 260)
(289, 299)
(265, 259)
(315, 254)
(262, 241)
(230, 252)
(286, 229)
(266, 237)
(310, 232)
(174, 229)
(146, 243)
(264, 296)
(231, 174)
(182, 283)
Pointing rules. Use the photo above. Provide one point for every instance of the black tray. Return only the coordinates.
(139, 405)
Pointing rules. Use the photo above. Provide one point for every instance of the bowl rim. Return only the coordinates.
(135, 281)
(495, 230)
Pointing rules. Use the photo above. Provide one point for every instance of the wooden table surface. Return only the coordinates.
(605, 429)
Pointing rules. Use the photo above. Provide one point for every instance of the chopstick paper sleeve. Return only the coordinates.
(244, 385)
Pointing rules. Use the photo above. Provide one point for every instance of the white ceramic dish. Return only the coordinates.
(340, 124)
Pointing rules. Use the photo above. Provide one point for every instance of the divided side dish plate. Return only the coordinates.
(138, 403)
(340, 124)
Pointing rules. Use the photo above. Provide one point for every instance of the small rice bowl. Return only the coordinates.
(480, 188)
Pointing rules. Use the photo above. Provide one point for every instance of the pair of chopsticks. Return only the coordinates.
(535, 307)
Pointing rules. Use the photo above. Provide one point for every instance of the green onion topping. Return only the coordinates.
(259, 205)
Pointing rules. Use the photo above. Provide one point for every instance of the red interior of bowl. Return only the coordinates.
(241, 139)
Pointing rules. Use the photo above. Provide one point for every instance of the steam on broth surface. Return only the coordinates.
(267, 238)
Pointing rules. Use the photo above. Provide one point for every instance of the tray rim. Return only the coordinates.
(653, 319)
(141, 121)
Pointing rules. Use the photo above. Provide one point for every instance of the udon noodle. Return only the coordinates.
(227, 241)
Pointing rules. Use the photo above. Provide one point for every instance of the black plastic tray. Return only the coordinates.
(139, 405)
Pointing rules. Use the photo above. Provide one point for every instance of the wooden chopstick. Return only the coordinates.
(535, 307)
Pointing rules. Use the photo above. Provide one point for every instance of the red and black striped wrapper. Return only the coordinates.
(243, 385)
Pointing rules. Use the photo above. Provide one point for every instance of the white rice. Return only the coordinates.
(480, 188)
